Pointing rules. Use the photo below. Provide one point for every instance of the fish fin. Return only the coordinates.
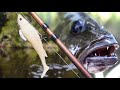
(44, 71)
(22, 36)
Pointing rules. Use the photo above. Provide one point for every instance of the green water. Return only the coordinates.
(25, 63)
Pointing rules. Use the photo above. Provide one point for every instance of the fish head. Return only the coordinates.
(88, 41)
(21, 20)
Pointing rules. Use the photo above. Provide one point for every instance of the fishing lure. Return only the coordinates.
(28, 33)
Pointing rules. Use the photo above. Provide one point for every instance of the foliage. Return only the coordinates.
(9, 26)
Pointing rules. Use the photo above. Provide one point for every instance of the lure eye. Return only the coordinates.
(20, 19)
(77, 27)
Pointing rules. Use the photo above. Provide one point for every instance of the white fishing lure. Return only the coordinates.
(22, 36)
(28, 32)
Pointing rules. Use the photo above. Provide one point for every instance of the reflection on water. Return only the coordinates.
(25, 63)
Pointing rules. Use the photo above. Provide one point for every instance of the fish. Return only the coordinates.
(87, 40)
(29, 33)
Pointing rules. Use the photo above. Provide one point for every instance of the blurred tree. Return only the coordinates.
(2, 19)
(9, 27)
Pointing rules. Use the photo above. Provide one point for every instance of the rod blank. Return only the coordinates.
(74, 60)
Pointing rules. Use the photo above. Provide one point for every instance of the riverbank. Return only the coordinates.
(49, 48)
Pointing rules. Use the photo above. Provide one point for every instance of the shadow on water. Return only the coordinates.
(25, 63)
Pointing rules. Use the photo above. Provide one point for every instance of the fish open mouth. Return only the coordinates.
(101, 58)
(100, 55)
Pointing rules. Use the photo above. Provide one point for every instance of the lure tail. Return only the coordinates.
(42, 54)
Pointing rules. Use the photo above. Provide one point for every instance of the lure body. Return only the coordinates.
(28, 32)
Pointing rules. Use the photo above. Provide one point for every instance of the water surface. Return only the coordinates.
(25, 63)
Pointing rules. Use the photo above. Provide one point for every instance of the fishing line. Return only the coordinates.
(53, 49)
(61, 57)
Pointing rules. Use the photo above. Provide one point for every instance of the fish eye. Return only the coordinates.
(77, 27)
(20, 19)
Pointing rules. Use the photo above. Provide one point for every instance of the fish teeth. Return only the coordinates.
(112, 54)
(95, 54)
(116, 47)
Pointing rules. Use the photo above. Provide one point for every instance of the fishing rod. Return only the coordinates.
(54, 38)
